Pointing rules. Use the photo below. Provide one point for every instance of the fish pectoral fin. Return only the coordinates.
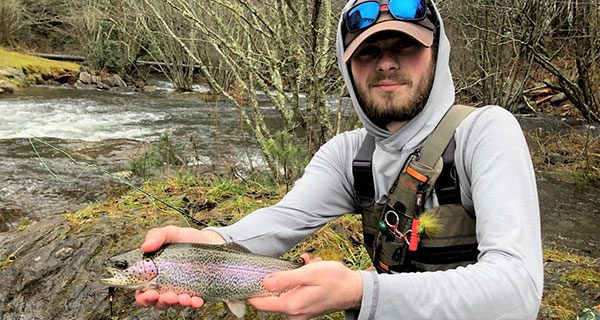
(237, 307)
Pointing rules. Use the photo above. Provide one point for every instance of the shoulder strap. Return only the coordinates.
(447, 186)
(442, 135)
(363, 173)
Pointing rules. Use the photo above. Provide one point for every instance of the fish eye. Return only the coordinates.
(121, 264)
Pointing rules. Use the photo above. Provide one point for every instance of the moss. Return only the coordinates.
(555, 255)
(560, 303)
(36, 69)
(571, 283)
(583, 278)
(234, 200)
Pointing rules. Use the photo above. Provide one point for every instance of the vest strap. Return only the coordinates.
(440, 137)
(362, 170)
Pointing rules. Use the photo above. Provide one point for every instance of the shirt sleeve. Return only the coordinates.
(497, 177)
(323, 193)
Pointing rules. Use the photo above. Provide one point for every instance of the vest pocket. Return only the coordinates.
(455, 245)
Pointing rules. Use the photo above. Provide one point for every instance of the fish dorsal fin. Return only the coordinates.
(237, 307)
(234, 247)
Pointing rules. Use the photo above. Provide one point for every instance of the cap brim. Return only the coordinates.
(419, 33)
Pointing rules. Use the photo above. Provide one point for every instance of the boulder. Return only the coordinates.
(52, 270)
(67, 77)
(53, 83)
(107, 82)
(118, 81)
(85, 78)
(96, 80)
(556, 158)
(85, 69)
(148, 89)
(6, 87)
(80, 85)
(558, 98)
(13, 73)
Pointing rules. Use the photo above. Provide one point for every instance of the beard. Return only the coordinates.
(393, 106)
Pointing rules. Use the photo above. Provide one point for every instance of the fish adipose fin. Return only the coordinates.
(237, 307)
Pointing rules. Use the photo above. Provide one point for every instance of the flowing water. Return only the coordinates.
(108, 128)
(105, 128)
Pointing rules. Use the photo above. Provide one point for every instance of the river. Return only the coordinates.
(105, 128)
(108, 128)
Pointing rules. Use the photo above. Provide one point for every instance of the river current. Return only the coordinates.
(106, 128)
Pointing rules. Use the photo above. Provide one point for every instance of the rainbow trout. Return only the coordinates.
(225, 272)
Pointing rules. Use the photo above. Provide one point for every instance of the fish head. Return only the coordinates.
(131, 270)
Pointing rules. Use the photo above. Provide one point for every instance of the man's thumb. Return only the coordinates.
(281, 281)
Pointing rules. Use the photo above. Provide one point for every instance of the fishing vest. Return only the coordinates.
(393, 234)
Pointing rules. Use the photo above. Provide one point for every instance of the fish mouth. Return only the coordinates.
(121, 280)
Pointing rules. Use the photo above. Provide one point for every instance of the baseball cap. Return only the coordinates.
(421, 30)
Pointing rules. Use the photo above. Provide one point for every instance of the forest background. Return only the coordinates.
(528, 56)
(509, 53)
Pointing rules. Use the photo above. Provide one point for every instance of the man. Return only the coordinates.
(394, 56)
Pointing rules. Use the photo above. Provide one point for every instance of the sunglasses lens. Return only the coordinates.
(407, 9)
(362, 16)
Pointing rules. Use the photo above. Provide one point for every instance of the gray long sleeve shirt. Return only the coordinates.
(496, 177)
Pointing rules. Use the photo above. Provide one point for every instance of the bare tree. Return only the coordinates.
(564, 39)
(488, 65)
(245, 48)
(499, 41)
(11, 20)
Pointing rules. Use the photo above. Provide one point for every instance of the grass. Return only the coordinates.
(571, 284)
(580, 160)
(233, 200)
(36, 69)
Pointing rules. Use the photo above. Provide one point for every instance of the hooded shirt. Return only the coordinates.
(496, 177)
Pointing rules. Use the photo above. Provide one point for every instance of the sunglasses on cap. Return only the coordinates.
(365, 14)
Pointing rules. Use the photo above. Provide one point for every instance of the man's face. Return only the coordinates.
(393, 75)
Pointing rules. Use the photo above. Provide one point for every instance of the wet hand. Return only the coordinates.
(318, 288)
(155, 238)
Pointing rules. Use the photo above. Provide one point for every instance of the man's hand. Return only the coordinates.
(318, 288)
(155, 238)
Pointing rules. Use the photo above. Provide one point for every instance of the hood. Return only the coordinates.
(441, 98)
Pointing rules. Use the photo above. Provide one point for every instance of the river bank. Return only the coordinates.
(19, 70)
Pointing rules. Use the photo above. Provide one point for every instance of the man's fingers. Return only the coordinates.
(307, 259)
(184, 300)
(196, 302)
(287, 280)
(166, 300)
(155, 238)
(269, 304)
(146, 298)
